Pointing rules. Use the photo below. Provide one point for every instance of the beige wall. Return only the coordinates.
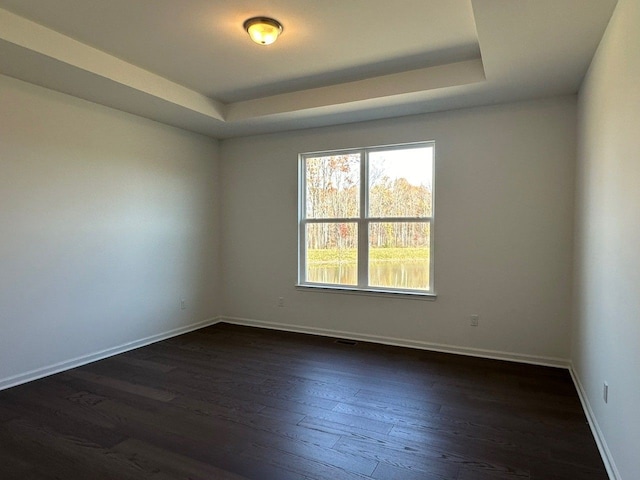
(606, 335)
(503, 231)
(107, 221)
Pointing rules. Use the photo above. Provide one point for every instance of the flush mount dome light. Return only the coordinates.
(263, 30)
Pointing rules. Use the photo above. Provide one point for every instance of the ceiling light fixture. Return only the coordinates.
(263, 30)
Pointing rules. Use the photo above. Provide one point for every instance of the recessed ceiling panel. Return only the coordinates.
(202, 45)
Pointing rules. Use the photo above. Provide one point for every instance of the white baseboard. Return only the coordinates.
(92, 357)
(605, 453)
(401, 342)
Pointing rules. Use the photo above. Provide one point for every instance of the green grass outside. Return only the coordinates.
(376, 255)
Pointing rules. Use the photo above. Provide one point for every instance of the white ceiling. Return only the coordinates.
(190, 64)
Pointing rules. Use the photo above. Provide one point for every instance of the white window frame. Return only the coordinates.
(362, 222)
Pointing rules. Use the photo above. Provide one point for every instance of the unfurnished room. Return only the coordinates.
(309, 240)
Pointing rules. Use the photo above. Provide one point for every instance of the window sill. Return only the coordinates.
(368, 292)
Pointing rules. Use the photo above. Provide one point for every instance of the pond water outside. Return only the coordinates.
(410, 275)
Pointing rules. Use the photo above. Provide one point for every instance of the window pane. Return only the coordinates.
(400, 182)
(333, 186)
(332, 255)
(399, 255)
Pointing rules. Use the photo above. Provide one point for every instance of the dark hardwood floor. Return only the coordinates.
(231, 403)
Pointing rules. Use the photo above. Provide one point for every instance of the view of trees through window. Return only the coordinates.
(384, 194)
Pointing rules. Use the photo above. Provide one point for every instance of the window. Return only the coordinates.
(366, 219)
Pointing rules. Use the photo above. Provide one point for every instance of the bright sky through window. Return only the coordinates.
(407, 164)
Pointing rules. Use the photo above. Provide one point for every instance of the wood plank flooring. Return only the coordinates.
(236, 403)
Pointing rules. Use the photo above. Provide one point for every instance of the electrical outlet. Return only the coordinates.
(281, 301)
(183, 304)
(474, 320)
(605, 392)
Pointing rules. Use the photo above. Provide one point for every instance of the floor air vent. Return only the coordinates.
(343, 341)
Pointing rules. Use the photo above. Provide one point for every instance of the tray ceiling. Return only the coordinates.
(190, 63)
